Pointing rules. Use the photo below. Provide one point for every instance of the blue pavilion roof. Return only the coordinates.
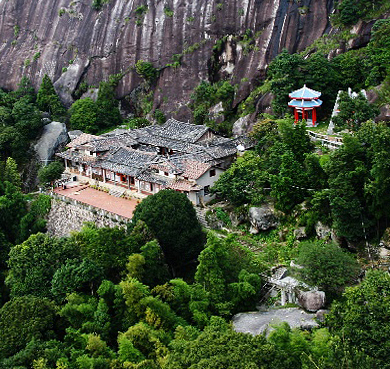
(305, 93)
(306, 104)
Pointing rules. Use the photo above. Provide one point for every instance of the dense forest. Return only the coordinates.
(161, 292)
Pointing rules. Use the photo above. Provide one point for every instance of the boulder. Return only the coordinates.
(262, 218)
(300, 233)
(311, 300)
(322, 231)
(53, 136)
(241, 126)
(216, 113)
(320, 315)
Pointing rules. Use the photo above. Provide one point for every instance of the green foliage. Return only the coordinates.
(108, 248)
(350, 11)
(354, 111)
(168, 11)
(327, 266)
(11, 173)
(84, 115)
(13, 207)
(172, 219)
(48, 100)
(242, 182)
(23, 319)
(98, 4)
(16, 30)
(361, 321)
(35, 220)
(147, 71)
(50, 172)
(159, 116)
(218, 346)
(108, 114)
(33, 263)
(228, 275)
(76, 276)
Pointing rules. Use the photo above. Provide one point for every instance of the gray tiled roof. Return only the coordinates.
(181, 131)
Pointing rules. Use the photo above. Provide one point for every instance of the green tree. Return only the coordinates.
(354, 111)
(27, 118)
(108, 248)
(107, 105)
(33, 263)
(147, 71)
(361, 320)
(348, 172)
(48, 100)
(76, 276)
(50, 172)
(13, 207)
(327, 266)
(243, 181)
(11, 173)
(84, 115)
(23, 319)
(172, 219)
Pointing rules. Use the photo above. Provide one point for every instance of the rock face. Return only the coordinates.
(262, 218)
(256, 323)
(53, 136)
(322, 231)
(241, 126)
(72, 42)
(312, 300)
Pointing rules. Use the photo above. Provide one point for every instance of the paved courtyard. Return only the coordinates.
(100, 199)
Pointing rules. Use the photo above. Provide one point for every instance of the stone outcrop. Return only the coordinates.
(322, 231)
(262, 218)
(241, 125)
(53, 136)
(73, 43)
(311, 300)
(256, 323)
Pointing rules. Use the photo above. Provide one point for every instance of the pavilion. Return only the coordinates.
(305, 101)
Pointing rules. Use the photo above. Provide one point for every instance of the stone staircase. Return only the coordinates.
(201, 215)
(117, 192)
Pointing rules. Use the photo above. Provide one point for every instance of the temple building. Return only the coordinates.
(305, 101)
(182, 156)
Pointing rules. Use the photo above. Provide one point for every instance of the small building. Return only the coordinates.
(182, 156)
(305, 101)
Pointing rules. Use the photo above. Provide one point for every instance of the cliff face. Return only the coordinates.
(72, 42)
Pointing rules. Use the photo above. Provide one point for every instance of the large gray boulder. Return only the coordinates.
(241, 126)
(256, 323)
(312, 300)
(322, 231)
(53, 136)
(262, 218)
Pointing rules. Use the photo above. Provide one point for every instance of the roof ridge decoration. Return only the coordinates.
(305, 93)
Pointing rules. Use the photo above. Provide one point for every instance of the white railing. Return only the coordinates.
(330, 142)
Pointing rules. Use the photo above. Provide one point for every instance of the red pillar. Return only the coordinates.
(296, 115)
(314, 115)
(303, 114)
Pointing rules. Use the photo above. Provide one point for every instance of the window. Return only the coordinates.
(151, 187)
(132, 180)
(206, 190)
(212, 172)
(166, 174)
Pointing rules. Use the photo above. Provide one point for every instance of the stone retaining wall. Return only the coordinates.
(67, 215)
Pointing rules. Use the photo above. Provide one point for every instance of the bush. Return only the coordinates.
(327, 266)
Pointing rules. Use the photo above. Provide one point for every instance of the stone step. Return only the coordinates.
(201, 215)
(117, 192)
